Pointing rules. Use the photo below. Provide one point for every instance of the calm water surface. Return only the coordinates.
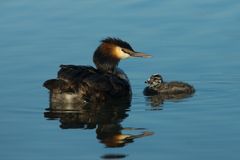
(192, 41)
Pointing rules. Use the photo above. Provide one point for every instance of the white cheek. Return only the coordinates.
(124, 55)
(121, 54)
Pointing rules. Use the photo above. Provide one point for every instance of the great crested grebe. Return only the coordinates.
(76, 83)
(156, 85)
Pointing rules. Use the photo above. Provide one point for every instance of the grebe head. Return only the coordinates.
(154, 80)
(111, 51)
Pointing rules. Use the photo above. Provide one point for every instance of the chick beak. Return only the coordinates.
(147, 81)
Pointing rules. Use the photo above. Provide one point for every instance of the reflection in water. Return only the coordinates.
(157, 101)
(114, 156)
(105, 118)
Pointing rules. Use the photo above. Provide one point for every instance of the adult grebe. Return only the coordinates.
(86, 84)
(156, 85)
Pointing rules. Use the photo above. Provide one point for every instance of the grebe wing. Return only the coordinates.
(88, 82)
(68, 76)
(85, 77)
(73, 72)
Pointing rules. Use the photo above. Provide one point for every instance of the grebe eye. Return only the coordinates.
(126, 51)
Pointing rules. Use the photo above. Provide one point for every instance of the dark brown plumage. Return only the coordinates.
(107, 82)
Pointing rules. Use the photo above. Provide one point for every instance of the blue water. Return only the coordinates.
(192, 41)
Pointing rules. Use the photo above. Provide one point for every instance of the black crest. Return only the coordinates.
(117, 42)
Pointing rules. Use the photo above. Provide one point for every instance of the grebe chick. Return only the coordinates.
(76, 84)
(156, 86)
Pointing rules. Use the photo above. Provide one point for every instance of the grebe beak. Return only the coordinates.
(140, 54)
(136, 54)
